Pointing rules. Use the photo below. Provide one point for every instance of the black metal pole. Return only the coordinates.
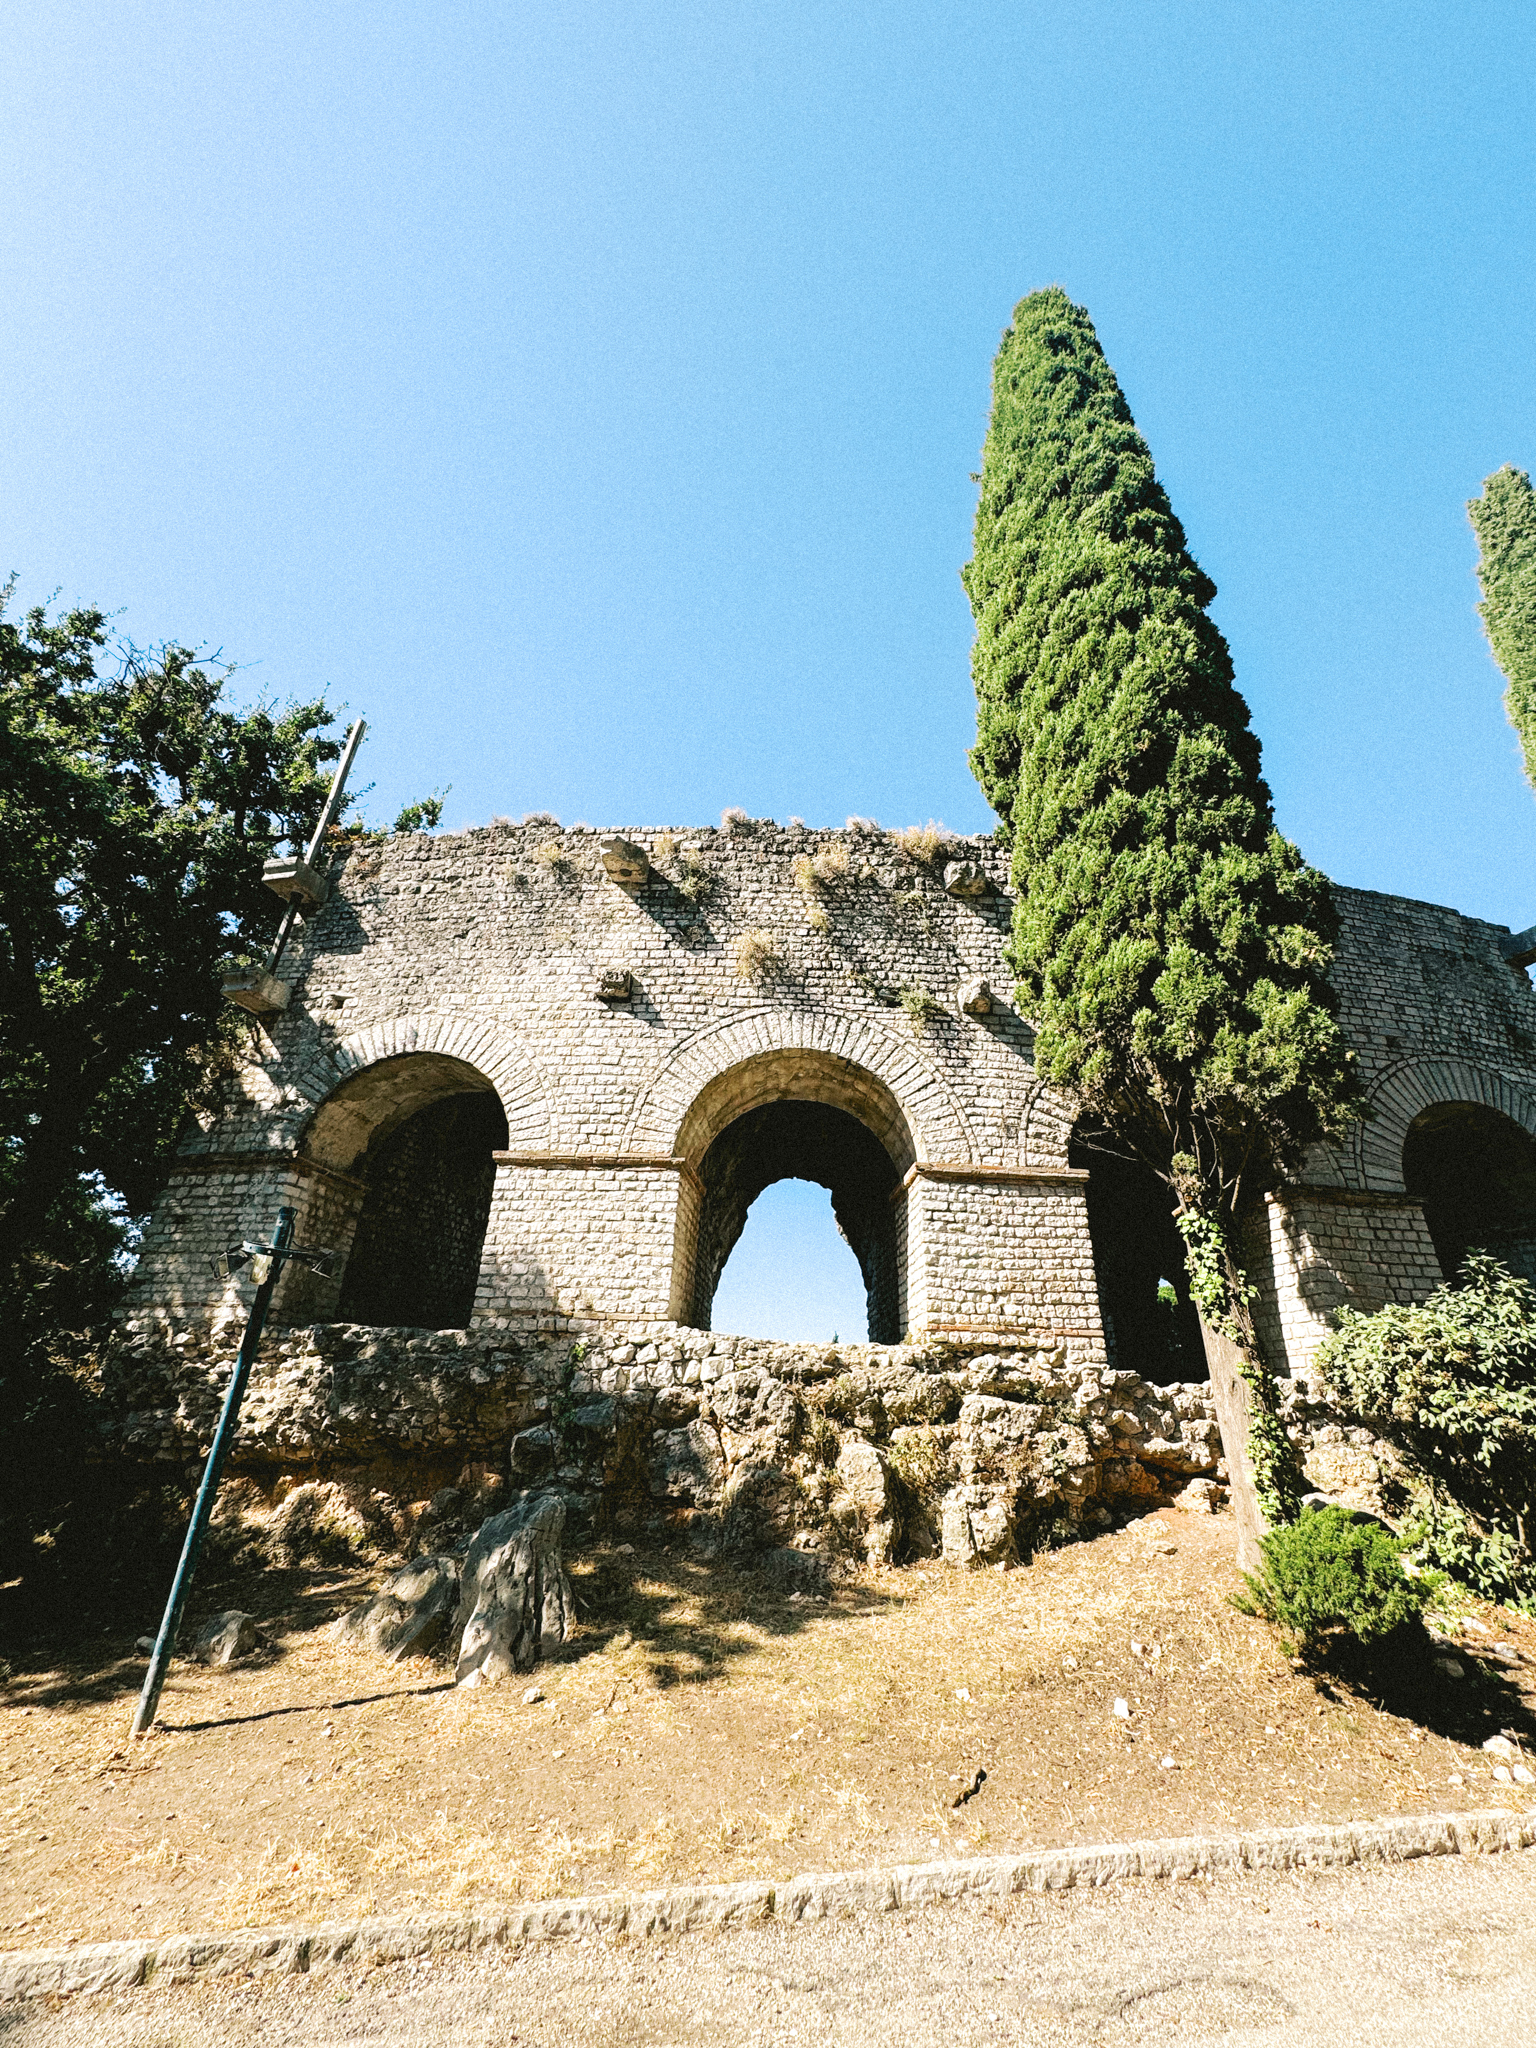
(197, 1528)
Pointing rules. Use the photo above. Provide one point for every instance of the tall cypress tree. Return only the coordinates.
(1169, 944)
(1504, 520)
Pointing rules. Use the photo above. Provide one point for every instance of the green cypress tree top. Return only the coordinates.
(1504, 520)
(1169, 944)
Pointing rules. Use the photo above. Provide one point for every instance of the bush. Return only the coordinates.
(1330, 1569)
(1452, 1386)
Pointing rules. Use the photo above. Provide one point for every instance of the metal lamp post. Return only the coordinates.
(266, 1263)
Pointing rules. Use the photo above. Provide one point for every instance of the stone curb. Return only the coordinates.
(181, 1958)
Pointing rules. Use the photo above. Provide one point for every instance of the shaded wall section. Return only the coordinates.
(1475, 1172)
(1150, 1322)
(416, 1253)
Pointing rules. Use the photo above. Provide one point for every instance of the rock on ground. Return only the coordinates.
(867, 1501)
(409, 1613)
(226, 1636)
(515, 1601)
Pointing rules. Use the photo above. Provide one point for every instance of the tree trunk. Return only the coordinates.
(1234, 1412)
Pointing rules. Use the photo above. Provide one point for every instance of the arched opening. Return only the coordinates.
(799, 1116)
(802, 1141)
(1475, 1172)
(418, 1131)
(792, 1228)
(1150, 1322)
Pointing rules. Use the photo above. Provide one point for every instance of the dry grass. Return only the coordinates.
(921, 842)
(705, 1725)
(755, 953)
(550, 855)
(664, 852)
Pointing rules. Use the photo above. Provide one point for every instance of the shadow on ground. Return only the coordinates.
(686, 1614)
(1405, 1674)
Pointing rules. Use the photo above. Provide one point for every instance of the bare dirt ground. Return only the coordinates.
(705, 1725)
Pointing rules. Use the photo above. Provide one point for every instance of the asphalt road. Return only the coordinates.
(1438, 1952)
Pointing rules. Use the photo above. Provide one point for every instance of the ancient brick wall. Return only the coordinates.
(622, 1029)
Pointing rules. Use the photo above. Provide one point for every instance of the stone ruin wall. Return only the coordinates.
(602, 1038)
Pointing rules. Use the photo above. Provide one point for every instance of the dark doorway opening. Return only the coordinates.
(415, 1255)
(802, 1141)
(1475, 1172)
(1150, 1322)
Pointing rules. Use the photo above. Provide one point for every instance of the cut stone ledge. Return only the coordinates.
(123, 1965)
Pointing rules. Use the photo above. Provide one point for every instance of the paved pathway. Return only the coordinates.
(1440, 1953)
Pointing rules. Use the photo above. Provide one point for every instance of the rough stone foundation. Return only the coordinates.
(886, 1452)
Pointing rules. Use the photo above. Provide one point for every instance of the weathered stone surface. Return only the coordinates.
(688, 1466)
(976, 1527)
(658, 1419)
(759, 1506)
(868, 1504)
(533, 1452)
(515, 1599)
(965, 878)
(409, 1614)
(799, 1571)
(225, 1637)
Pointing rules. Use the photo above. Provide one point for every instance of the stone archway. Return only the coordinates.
(1151, 1325)
(1474, 1171)
(803, 1115)
(415, 1134)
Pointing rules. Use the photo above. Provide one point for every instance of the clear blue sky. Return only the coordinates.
(588, 395)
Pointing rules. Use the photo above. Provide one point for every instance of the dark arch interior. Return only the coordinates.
(415, 1254)
(802, 1141)
(1475, 1172)
(1150, 1322)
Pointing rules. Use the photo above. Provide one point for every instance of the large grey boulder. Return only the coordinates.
(409, 1613)
(866, 1500)
(224, 1637)
(515, 1602)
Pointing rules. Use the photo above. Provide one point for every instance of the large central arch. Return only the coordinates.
(805, 1115)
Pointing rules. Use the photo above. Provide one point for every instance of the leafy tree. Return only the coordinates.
(137, 809)
(1170, 945)
(1452, 1385)
(1504, 520)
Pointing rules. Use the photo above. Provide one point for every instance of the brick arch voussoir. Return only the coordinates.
(516, 1080)
(934, 1117)
(1417, 1085)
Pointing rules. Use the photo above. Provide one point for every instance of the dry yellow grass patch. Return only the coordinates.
(755, 953)
(921, 842)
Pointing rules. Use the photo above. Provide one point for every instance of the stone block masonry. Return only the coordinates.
(525, 1094)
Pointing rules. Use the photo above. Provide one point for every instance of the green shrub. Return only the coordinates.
(1452, 1386)
(1329, 1570)
(921, 1006)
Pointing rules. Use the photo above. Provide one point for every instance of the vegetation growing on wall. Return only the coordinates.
(1169, 944)
(1504, 520)
(1453, 1386)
